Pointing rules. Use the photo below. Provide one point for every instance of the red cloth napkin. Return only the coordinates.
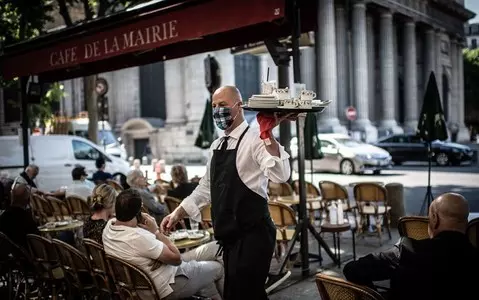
(266, 123)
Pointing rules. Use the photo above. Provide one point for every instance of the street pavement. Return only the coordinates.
(461, 179)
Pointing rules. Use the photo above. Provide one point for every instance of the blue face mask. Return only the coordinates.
(222, 117)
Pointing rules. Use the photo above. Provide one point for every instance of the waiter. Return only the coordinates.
(236, 183)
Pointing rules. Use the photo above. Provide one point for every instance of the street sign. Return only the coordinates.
(351, 113)
(101, 87)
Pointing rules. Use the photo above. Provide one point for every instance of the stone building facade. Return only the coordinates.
(472, 35)
(374, 55)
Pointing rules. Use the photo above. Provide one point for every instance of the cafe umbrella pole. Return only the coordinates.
(300, 134)
(303, 216)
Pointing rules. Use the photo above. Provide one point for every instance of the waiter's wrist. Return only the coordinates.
(180, 212)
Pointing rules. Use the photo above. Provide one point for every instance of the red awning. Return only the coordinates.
(175, 29)
(138, 42)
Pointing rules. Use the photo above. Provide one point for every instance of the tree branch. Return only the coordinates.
(65, 13)
(103, 5)
(88, 10)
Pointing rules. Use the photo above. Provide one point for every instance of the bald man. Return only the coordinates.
(27, 176)
(17, 221)
(235, 184)
(426, 269)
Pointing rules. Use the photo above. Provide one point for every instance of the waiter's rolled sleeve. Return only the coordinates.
(277, 169)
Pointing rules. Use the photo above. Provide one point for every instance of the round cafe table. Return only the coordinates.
(75, 226)
(71, 226)
(191, 243)
(336, 230)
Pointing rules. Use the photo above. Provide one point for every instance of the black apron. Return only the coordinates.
(242, 226)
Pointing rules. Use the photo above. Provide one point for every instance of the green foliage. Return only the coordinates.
(23, 19)
(471, 88)
(41, 113)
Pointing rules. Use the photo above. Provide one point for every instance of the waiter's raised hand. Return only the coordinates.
(280, 117)
(169, 222)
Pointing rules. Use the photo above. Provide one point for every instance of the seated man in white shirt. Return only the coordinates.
(80, 186)
(134, 237)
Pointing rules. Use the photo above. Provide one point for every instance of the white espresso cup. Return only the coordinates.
(282, 94)
(307, 95)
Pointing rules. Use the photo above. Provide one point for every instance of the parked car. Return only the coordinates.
(56, 155)
(106, 137)
(407, 147)
(347, 156)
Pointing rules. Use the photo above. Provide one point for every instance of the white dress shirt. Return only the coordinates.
(139, 247)
(256, 166)
(83, 189)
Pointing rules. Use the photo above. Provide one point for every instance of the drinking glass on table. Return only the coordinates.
(194, 225)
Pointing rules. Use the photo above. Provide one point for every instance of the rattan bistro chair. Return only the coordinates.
(333, 288)
(131, 282)
(206, 219)
(287, 229)
(414, 227)
(77, 270)
(279, 189)
(372, 200)
(78, 208)
(96, 258)
(47, 264)
(332, 191)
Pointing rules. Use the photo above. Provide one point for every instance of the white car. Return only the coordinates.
(79, 127)
(345, 155)
(56, 156)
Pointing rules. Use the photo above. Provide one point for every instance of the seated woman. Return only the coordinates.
(102, 204)
(136, 180)
(181, 187)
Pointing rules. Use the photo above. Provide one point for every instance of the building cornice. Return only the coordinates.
(430, 12)
(453, 8)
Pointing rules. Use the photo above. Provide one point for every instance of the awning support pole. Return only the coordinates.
(25, 121)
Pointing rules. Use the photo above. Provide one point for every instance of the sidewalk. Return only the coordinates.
(296, 287)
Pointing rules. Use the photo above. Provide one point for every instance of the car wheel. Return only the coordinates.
(346, 167)
(442, 159)
(377, 172)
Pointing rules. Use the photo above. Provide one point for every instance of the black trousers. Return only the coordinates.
(247, 263)
(373, 267)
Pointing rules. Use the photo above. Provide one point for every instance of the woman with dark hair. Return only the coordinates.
(103, 206)
(181, 187)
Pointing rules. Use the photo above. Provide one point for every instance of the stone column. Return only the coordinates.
(452, 105)
(360, 73)
(327, 67)
(410, 76)
(175, 91)
(429, 54)
(388, 124)
(125, 91)
(373, 112)
(308, 69)
(463, 135)
(439, 62)
(342, 50)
